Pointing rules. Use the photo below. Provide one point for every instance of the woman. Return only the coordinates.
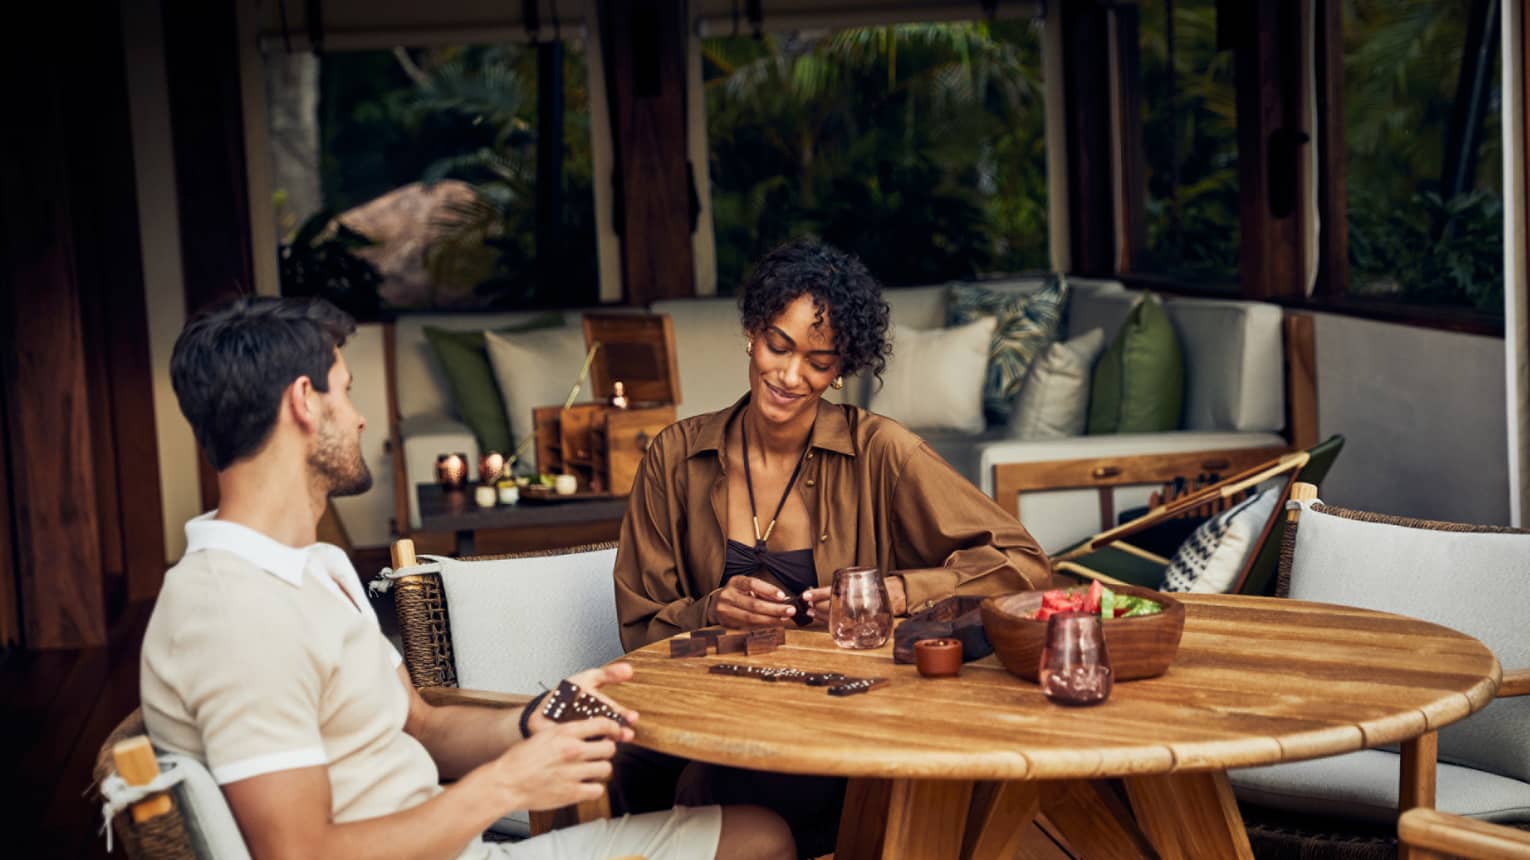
(736, 513)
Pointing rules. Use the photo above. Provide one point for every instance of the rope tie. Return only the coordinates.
(387, 575)
(117, 795)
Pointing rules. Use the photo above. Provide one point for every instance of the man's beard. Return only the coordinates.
(337, 466)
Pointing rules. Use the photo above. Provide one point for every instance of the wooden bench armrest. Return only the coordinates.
(1516, 682)
(1458, 836)
(480, 698)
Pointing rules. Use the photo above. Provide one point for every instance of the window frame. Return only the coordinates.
(1259, 86)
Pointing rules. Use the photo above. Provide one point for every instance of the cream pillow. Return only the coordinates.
(1054, 401)
(534, 368)
(934, 379)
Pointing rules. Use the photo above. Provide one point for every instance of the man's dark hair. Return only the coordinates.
(842, 289)
(232, 363)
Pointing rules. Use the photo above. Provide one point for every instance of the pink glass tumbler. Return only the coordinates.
(860, 612)
(1075, 667)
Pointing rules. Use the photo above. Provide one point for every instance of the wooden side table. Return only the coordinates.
(454, 511)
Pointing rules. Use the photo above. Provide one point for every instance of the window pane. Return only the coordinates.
(1189, 144)
(919, 147)
(1425, 204)
(428, 157)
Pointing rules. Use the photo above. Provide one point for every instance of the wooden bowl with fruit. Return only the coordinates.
(1142, 627)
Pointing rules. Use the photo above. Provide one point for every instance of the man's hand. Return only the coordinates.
(818, 599)
(591, 680)
(555, 767)
(749, 602)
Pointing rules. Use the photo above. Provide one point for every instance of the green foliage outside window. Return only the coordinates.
(920, 147)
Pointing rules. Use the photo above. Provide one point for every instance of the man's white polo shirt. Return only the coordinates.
(262, 657)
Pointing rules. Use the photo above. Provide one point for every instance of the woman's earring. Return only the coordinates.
(838, 383)
(749, 347)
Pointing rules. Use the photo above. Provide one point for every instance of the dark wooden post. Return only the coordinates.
(207, 131)
(1086, 93)
(645, 42)
(1272, 136)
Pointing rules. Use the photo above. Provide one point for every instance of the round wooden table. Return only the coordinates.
(960, 767)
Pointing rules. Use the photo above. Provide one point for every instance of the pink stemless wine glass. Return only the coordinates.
(1075, 667)
(860, 613)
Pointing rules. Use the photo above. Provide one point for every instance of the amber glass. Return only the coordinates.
(860, 613)
(1075, 667)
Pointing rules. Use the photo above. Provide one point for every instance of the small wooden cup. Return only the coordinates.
(938, 658)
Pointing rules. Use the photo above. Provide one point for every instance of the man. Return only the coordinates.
(264, 660)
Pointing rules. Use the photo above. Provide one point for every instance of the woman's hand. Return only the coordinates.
(818, 599)
(749, 602)
(591, 680)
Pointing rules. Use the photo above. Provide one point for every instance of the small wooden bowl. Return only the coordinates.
(1140, 647)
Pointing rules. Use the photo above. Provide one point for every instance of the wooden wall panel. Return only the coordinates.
(645, 44)
(58, 559)
(109, 270)
(10, 617)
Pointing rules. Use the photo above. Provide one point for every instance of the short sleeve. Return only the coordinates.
(252, 686)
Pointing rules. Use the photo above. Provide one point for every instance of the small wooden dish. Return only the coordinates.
(1140, 647)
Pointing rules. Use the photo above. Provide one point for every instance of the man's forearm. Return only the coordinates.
(462, 737)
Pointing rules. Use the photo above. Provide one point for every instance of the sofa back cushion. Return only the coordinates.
(1234, 378)
(422, 387)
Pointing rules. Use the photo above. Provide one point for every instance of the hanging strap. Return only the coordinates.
(761, 538)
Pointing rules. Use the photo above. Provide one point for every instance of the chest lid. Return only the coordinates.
(637, 350)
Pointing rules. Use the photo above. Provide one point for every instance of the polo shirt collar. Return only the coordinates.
(286, 563)
(831, 429)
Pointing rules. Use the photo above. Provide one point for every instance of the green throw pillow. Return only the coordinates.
(1139, 383)
(475, 393)
(1025, 324)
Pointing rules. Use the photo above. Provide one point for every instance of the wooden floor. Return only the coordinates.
(55, 709)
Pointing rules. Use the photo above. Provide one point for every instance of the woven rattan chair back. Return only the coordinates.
(163, 837)
(424, 619)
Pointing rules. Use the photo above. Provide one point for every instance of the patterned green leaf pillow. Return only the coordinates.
(1026, 323)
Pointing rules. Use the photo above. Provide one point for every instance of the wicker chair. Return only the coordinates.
(1462, 576)
(187, 822)
(530, 620)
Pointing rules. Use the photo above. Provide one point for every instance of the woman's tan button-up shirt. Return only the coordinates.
(876, 494)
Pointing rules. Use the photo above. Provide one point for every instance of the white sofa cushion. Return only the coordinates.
(1470, 582)
(421, 386)
(1234, 378)
(935, 378)
(535, 368)
(1054, 401)
(1364, 785)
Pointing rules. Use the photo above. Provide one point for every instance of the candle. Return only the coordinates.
(485, 496)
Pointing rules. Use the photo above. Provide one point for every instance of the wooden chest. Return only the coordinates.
(599, 443)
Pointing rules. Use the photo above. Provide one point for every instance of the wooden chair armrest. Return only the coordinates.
(480, 698)
(1516, 682)
(1457, 836)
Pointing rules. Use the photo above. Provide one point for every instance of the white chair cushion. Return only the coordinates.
(935, 378)
(1364, 785)
(519, 624)
(210, 822)
(1469, 582)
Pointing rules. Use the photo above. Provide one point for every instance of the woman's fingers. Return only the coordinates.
(759, 588)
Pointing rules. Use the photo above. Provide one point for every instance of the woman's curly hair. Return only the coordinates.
(843, 292)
